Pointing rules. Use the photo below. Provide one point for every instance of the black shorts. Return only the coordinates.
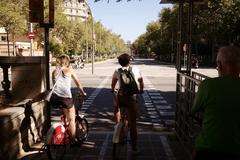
(126, 101)
(61, 102)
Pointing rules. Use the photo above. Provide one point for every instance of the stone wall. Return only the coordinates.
(20, 128)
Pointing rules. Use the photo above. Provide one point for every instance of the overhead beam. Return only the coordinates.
(176, 1)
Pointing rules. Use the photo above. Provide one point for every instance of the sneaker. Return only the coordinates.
(135, 152)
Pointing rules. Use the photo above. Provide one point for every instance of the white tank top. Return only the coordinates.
(63, 85)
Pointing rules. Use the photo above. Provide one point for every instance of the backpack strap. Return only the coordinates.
(132, 74)
(120, 70)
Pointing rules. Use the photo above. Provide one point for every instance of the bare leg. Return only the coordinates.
(132, 116)
(117, 115)
(70, 115)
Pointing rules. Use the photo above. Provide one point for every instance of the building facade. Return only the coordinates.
(76, 9)
(18, 47)
(4, 46)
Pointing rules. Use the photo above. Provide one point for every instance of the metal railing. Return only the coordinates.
(187, 126)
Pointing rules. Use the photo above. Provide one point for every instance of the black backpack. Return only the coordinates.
(128, 84)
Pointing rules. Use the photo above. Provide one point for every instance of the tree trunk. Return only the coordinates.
(8, 42)
(14, 43)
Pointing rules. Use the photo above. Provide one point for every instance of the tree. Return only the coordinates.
(214, 23)
(67, 36)
(13, 18)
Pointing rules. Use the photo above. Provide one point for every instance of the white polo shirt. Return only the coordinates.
(135, 70)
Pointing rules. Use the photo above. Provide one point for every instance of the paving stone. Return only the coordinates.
(150, 108)
(156, 97)
(152, 90)
(157, 121)
(160, 101)
(152, 112)
(154, 94)
(148, 101)
(160, 107)
(154, 116)
(166, 113)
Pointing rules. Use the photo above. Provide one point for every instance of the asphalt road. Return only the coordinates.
(160, 86)
(155, 119)
(156, 105)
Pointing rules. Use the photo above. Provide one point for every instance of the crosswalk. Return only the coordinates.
(161, 116)
(161, 113)
(87, 103)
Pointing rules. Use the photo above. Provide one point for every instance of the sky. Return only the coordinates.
(128, 19)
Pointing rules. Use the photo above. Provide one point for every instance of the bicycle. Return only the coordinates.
(57, 139)
(120, 134)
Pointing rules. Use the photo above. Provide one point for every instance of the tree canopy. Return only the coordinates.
(67, 36)
(215, 23)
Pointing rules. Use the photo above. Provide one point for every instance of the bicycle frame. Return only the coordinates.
(121, 128)
(120, 136)
(58, 136)
(60, 129)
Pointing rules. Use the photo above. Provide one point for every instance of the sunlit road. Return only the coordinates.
(156, 113)
(156, 105)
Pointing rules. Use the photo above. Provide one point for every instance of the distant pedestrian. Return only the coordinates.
(126, 100)
(195, 62)
(219, 100)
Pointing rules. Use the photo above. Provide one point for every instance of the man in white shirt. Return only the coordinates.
(127, 101)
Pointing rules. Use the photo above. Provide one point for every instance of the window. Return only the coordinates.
(3, 38)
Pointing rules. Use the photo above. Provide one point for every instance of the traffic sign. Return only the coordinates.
(31, 35)
(36, 11)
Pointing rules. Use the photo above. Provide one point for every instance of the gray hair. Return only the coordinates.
(229, 55)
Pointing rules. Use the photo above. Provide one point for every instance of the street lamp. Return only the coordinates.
(93, 37)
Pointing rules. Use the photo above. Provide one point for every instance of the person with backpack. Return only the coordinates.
(130, 83)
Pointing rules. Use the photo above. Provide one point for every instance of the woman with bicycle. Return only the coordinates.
(62, 96)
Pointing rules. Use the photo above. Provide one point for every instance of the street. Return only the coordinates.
(182, 46)
(159, 89)
(156, 112)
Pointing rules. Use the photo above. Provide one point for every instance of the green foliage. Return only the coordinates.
(214, 23)
(70, 37)
(67, 36)
(13, 15)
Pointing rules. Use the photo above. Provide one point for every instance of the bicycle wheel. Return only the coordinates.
(81, 129)
(120, 146)
(119, 151)
(56, 152)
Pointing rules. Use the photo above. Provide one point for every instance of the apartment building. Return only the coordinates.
(76, 9)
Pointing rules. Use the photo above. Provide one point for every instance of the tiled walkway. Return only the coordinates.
(153, 146)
